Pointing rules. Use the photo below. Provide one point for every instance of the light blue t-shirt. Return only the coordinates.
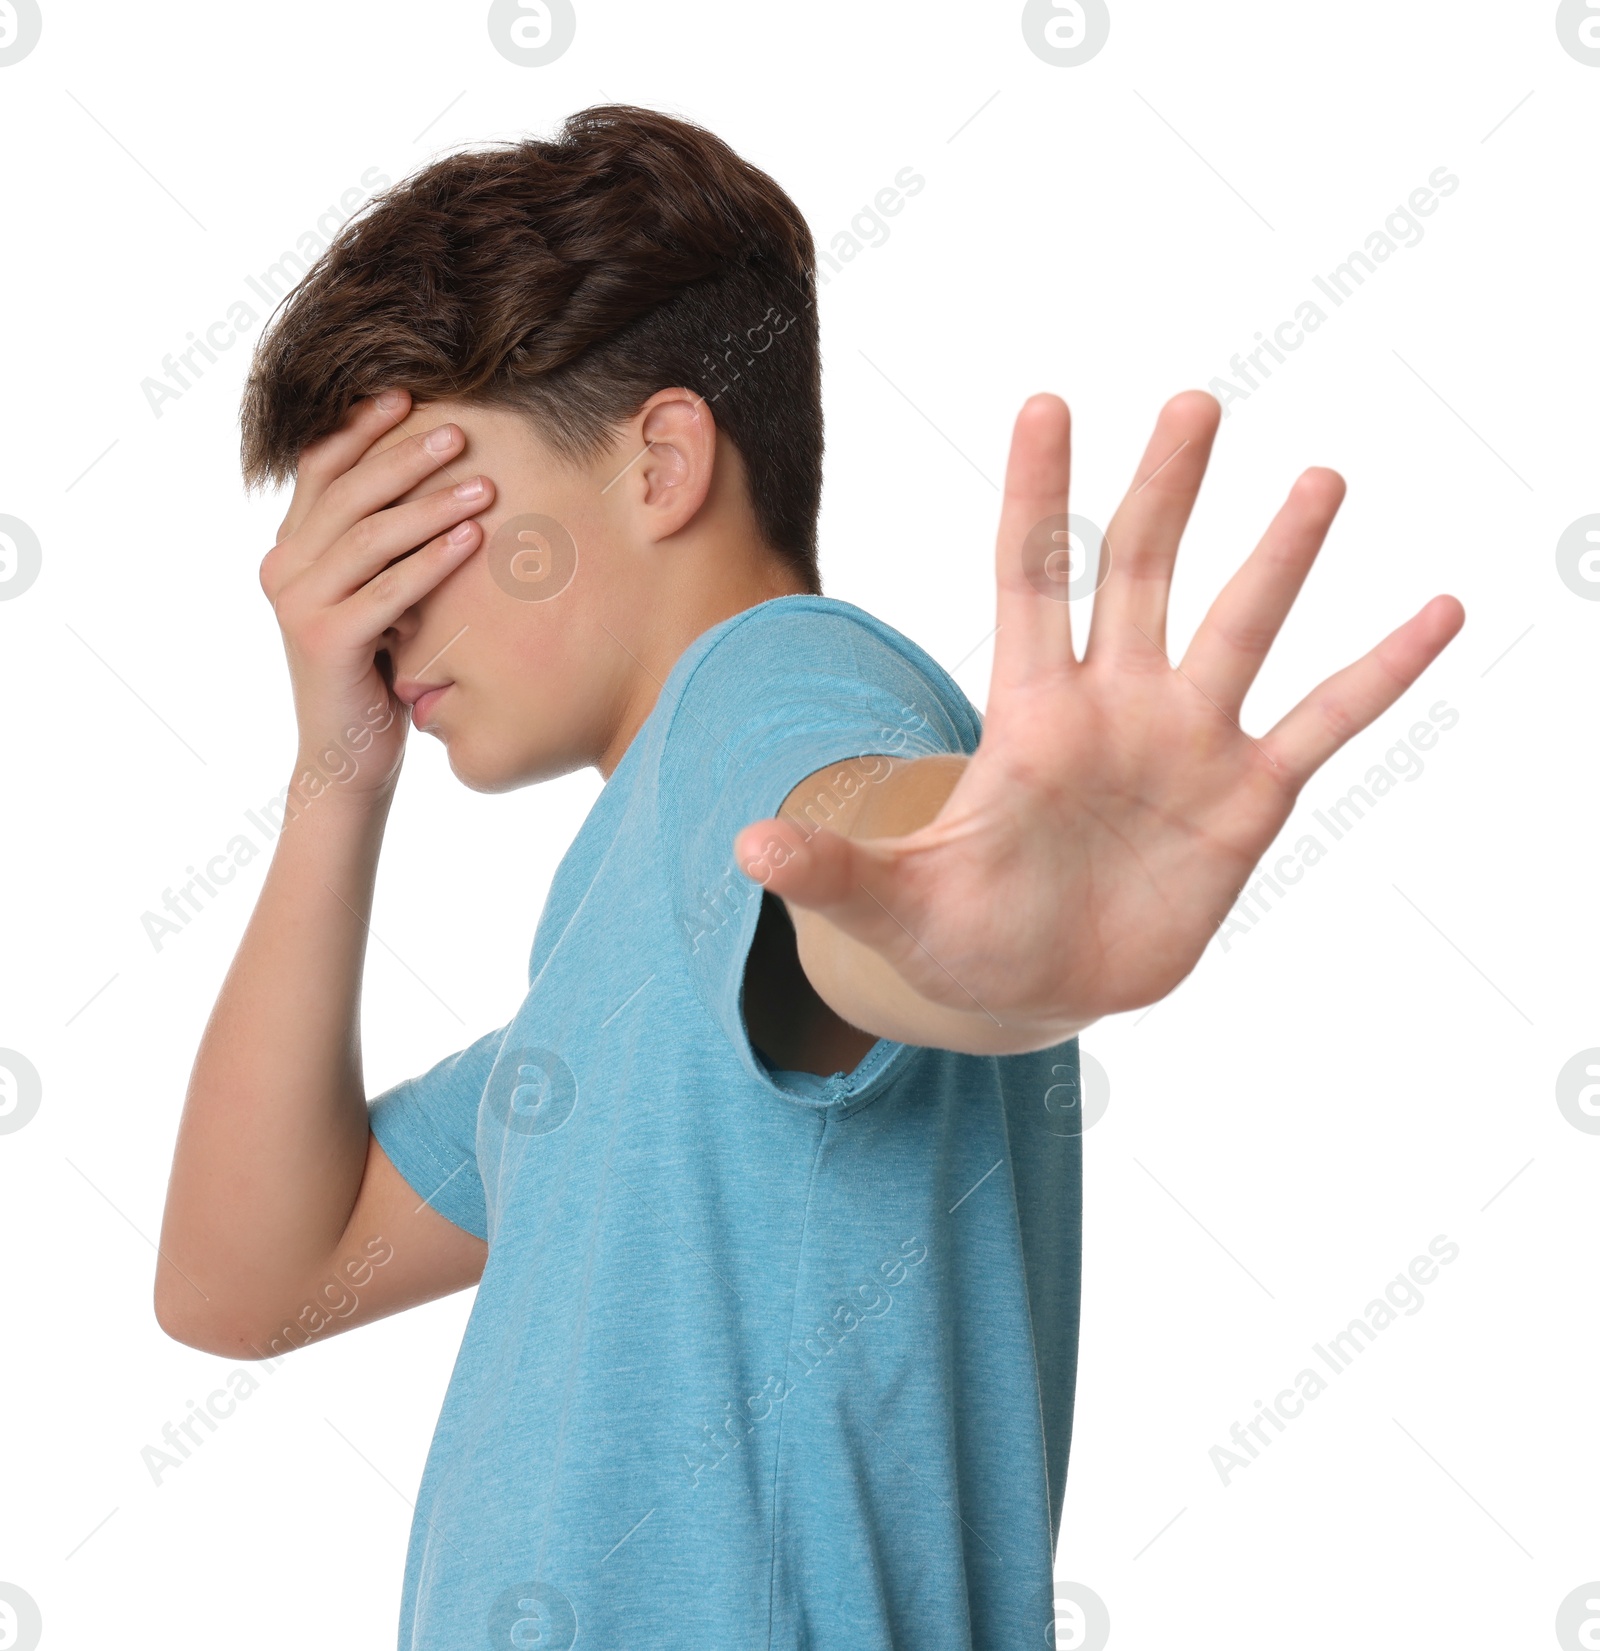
(759, 1359)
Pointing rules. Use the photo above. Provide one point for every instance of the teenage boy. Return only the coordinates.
(771, 1187)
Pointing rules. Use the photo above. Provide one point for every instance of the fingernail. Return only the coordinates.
(460, 533)
(391, 401)
(436, 441)
(469, 490)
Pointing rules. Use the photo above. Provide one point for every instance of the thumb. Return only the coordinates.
(819, 869)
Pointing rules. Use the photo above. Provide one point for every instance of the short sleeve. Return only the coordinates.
(428, 1127)
(783, 691)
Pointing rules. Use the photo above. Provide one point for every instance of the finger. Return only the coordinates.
(1130, 609)
(375, 480)
(842, 879)
(1226, 652)
(377, 540)
(366, 421)
(1349, 700)
(381, 601)
(1031, 606)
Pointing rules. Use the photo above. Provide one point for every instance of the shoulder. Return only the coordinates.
(816, 647)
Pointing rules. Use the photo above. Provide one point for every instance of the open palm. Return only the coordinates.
(1115, 806)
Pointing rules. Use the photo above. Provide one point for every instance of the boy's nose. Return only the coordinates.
(404, 627)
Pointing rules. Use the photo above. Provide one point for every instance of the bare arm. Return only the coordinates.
(1079, 862)
(279, 1199)
(863, 798)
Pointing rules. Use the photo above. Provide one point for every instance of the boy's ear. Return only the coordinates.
(678, 436)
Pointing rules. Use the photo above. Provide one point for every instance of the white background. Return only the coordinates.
(1371, 1065)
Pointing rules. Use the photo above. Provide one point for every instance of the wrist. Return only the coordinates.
(317, 785)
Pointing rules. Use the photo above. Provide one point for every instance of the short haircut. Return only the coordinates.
(568, 280)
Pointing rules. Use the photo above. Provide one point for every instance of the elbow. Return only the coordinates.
(198, 1322)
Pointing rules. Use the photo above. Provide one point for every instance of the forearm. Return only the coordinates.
(273, 1139)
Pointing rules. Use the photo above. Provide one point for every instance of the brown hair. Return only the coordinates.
(569, 280)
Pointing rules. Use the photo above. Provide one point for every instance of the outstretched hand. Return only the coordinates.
(1115, 806)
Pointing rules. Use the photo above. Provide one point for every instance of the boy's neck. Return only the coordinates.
(759, 580)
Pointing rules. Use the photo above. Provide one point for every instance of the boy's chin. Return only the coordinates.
(491, 772)
(477, 773)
